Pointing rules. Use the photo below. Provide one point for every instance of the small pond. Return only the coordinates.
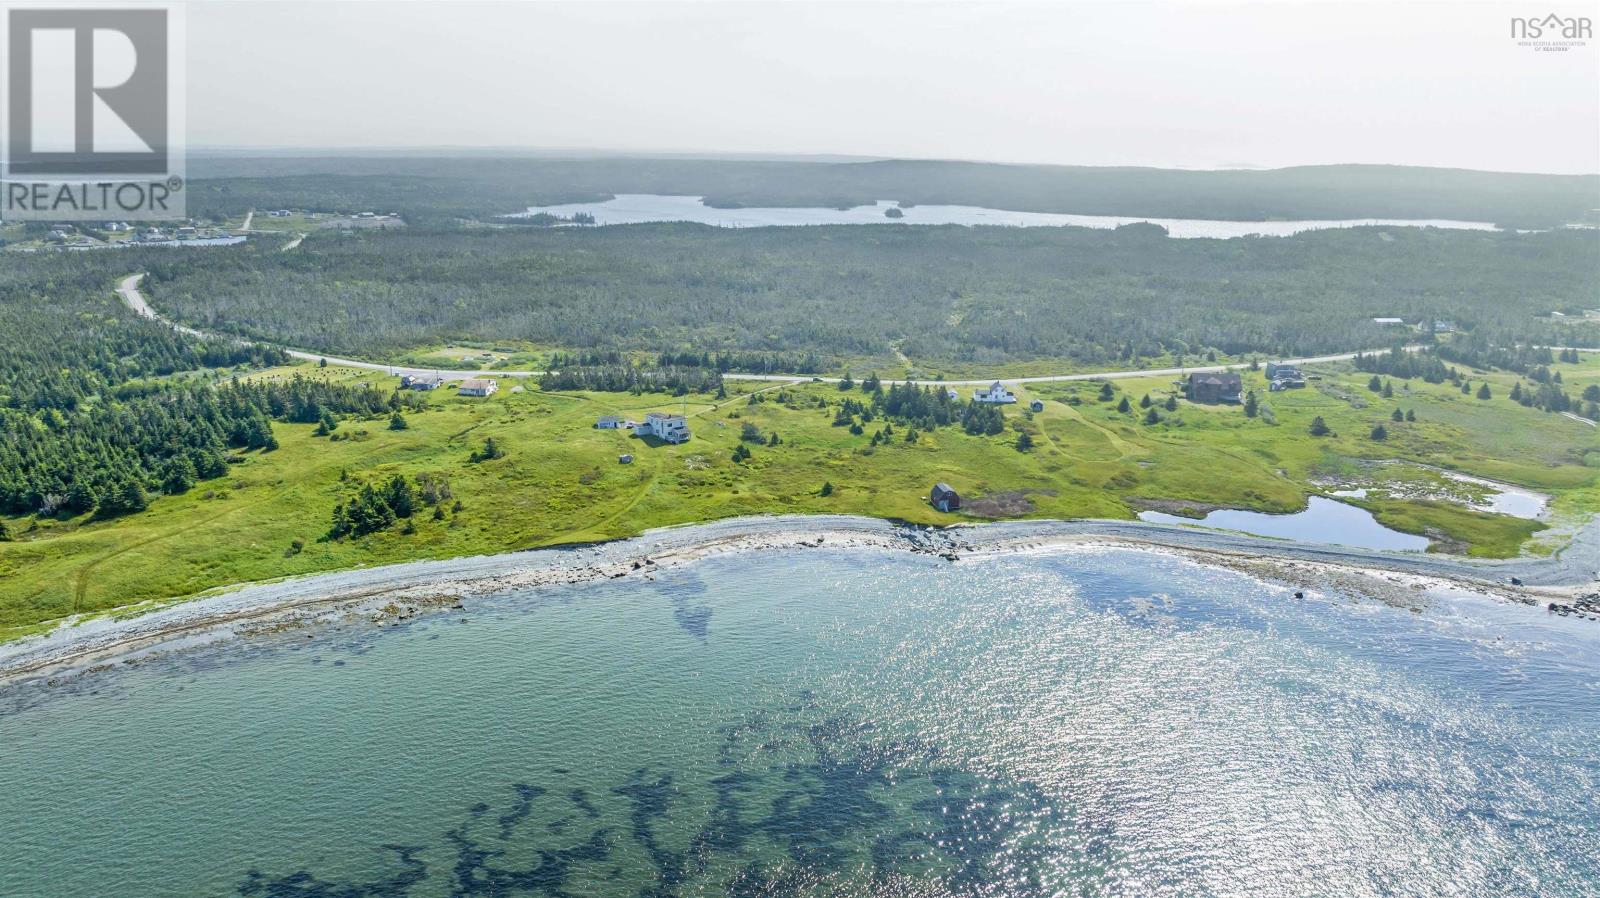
(1323, 521)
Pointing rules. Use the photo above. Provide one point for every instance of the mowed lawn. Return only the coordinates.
(560, 480)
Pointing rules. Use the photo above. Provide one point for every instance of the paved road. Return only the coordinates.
(128, 289)
(1093, 375)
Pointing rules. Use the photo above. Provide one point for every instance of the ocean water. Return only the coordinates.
(834, 722)
(637, 208)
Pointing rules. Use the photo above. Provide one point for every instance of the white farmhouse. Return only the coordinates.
(665, 427)
(996, 394)
(478, 386)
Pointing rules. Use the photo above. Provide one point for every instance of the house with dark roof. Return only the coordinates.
(997, 394)
(1220, 386)
(1284, 376)
(944, 498)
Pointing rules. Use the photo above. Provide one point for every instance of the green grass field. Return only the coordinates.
(294, 223)
(560, 480)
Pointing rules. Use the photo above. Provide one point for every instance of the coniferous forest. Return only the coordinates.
(941, 295)
(100, 410)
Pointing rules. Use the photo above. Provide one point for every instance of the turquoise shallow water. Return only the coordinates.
(1104, 722)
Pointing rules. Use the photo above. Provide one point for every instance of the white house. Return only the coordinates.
(1389, 322)
(478, 386)
(665, 427)
(996, 394)
(952, 394)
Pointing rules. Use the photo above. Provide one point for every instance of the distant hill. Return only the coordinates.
(428, 186)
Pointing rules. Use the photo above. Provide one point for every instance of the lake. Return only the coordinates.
(1089, 721)
(1323, 521)
(638, 208)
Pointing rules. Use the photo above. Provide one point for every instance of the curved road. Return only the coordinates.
(128, 289)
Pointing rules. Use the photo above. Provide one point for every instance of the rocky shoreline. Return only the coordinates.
(1563, 584)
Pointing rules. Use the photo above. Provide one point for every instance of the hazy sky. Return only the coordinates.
(1192, 84)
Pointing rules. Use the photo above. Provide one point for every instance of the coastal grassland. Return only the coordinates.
(560, 480)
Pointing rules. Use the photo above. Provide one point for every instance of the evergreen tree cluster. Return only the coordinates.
(376, 507)
(746, 362)
(153, 437)
(625, 378)
(1425, 366)
(101, 409)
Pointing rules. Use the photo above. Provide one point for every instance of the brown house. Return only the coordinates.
(944, 498)
(1222, 386)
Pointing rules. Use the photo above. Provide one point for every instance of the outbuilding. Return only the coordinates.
(944, 498)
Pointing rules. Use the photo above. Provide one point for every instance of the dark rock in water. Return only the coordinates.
(1299, 595)
(1516, 581)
